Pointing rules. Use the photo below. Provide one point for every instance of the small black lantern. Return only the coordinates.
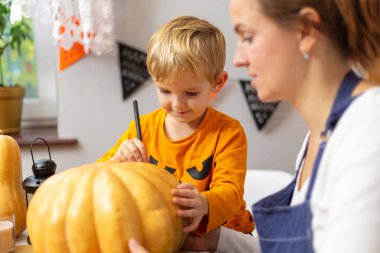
(42, 169)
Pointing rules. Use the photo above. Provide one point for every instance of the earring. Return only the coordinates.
(305, 56)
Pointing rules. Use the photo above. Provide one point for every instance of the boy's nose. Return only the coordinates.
(178, 102)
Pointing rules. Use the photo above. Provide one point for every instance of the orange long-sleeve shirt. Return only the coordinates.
(213, 158)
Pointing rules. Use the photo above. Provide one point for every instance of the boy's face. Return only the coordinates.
(184, 97)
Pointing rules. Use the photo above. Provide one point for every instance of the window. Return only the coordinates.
(35, 69)
(20, 68)
(41, 110)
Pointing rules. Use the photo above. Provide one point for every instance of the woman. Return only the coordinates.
(303, 52)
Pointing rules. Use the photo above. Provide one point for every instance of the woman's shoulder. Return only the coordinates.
(363, 116)
(360, 123)
(367, 103)
(372, 90)
(364, 86)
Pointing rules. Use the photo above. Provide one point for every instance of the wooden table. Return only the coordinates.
(23, 247)
(29, 249)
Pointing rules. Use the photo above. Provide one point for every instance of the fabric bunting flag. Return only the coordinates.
(260, 111)
(133, 68)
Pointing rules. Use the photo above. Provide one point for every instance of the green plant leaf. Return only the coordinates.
(12, 35)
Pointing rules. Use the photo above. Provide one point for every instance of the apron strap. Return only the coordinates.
(342, 101)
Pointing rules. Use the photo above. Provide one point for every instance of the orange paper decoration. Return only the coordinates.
(67, 58)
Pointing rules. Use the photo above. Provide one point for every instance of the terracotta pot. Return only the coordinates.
(11, 100)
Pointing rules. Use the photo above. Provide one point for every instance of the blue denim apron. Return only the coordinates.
(287, 229)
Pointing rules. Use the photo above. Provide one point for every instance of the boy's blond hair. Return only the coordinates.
(187, 44)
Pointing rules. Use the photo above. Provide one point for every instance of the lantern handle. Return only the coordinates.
(31, 147)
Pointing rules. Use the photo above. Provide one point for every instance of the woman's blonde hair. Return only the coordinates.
(186, 44)
(353, 25)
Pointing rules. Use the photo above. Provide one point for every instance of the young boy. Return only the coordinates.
(205, 149)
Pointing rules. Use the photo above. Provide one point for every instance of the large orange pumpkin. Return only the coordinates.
(12, 196)
(99, 207)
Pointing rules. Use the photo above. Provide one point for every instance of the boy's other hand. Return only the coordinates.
(132, 150)
(192, 204)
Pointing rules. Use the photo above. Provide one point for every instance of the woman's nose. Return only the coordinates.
(240, 59)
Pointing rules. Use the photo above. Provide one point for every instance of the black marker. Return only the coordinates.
(137, 119)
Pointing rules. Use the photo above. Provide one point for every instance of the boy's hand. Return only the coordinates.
(192, 204)
(132, 150)
(135, 247)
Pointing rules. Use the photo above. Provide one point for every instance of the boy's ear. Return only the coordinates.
(220, 82)
(308, 31)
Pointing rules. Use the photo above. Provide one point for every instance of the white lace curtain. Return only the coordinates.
(88, 22)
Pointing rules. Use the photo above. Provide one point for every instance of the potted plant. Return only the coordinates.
(13, 32)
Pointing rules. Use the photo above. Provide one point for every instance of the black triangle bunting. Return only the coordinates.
(261, 112)
(133, 68)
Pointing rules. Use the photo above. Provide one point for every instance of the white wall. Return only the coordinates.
(91, 108)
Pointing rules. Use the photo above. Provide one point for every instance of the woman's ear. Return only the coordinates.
(310, 21)
(220, 82)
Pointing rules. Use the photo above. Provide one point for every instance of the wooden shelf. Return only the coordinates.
(26, 136)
